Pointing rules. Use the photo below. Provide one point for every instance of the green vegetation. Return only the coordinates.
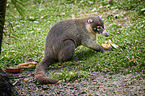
(24, 40)
(69, 76)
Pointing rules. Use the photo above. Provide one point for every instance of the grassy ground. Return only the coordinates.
(24, 40)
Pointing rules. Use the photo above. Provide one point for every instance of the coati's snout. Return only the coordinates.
(97, 26)
(104, 33)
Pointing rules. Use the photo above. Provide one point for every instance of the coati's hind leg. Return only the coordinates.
(67, 51)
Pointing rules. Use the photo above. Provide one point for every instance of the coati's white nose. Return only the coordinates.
(104, 33)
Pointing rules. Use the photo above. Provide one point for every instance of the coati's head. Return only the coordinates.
(96, 25)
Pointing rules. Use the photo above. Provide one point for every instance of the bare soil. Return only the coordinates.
(98, 84)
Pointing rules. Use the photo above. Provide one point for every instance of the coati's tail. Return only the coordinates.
(40, 75)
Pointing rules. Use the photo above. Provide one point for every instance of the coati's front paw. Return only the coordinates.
(110, 49)
(102, 49)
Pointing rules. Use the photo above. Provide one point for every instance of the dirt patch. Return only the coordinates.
(98, 84)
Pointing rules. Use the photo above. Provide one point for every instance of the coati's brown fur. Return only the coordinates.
(64, 37)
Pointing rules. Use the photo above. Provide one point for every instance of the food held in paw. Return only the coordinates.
(106, 46)
(111, 43)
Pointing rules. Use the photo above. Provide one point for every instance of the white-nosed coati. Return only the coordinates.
(64, 37)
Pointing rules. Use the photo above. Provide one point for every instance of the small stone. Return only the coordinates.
(26, 79)
(45, 87)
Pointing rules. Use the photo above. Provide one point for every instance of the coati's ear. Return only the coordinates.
(90, 21)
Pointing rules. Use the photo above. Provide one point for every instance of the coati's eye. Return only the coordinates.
(95, 29)
(98, 29)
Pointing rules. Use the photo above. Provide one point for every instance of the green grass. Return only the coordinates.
(24, 40)
(68, 76)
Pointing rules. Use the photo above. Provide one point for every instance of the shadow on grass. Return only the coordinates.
(80, 55)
